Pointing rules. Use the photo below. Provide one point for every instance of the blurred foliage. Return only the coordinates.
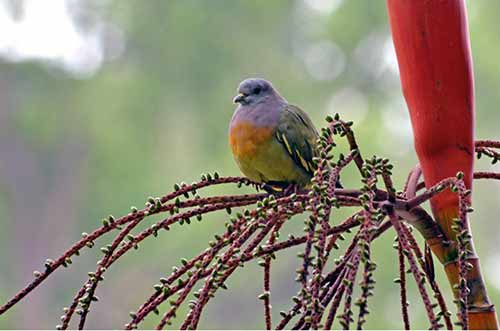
(77, 147)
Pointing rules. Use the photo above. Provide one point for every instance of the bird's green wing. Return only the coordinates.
(297, 134)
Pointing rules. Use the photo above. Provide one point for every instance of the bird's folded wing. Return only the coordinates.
(297, 134)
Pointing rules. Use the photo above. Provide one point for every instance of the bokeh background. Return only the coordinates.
(105, 102)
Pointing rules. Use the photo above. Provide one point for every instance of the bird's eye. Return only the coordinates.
(256, 90)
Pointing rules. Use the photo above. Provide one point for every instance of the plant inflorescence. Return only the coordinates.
(253, 234)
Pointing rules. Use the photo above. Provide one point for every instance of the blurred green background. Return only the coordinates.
(105, 102)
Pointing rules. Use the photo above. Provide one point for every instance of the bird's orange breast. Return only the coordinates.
(246, 139)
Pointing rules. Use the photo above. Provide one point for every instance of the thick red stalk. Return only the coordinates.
(433, 50)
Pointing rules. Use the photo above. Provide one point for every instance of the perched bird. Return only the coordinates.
(273, 142)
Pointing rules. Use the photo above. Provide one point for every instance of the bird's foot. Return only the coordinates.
(268, 188)
(280, 188)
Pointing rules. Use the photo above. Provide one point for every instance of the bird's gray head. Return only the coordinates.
(254, 90)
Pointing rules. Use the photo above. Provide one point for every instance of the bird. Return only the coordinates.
(273, 142)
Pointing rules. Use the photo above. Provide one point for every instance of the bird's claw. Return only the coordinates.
(258, 186)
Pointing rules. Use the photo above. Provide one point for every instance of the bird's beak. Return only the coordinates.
(239, 98)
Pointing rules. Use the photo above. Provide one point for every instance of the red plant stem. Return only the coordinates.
(464, 252)
(315, 203)
(370, 181)
(288, 316)
(337, 276)
(101, 269)
(194, 315)
(225, 260)
(430, 193)
(411, 184)
(351, 140)
(487, 143)
(335, 305)
(312, 222)
(333, 289)
(338, 286)
(486, 175)
(71, 310)
(366, 277)
(151, 303)
(267, 278)
(182, 296)
(267, 290)
(437, 292)
(322, 250)
(169, 221)
(437, 188)
(333, 281)
(402, 284)
(199, 275)
(389, 185)
(477, 175)
(488, 152)
(413, 267)
(363, 299)
(330, 277)
(350, 278)
(340, 290)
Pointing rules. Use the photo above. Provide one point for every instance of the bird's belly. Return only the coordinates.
(260, 157)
